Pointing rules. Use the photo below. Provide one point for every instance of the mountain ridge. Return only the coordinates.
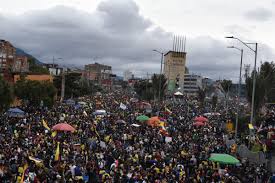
(21, 52)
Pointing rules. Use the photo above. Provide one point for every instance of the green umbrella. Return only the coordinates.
(143, 118)
(224, 159)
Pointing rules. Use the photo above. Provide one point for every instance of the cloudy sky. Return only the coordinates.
(123, 33)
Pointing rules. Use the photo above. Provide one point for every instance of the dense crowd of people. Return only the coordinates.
(116, 147)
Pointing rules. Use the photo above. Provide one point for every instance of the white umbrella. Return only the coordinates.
(135, 125)
(178, 94)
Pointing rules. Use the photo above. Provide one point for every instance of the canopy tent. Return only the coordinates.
(63, 127)
(178, 94)
(15, 112)
(142, 118)
(224, 159)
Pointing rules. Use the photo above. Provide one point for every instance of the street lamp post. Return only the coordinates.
(254, 73)
(239, 92)
(161, 61)
(62, 83)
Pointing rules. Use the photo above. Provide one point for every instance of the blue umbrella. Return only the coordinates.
(15, 112)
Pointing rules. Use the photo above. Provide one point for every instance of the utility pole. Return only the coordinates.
(63, 86)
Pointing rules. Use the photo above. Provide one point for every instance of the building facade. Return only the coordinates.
(11, 63)
(54, 69)
(192, 84)
(35, 77)
(20, 64)
(127, 75)
(174, 69)
(7, 56)
(97, 72)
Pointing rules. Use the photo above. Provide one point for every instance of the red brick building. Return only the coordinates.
(10, 63)
(7, 55)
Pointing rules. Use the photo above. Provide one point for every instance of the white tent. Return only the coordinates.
(178, 94)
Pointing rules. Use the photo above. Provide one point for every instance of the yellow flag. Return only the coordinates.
(162, 124)
(107, 138)
(54, 133)
(250, 126)
(23, 174)
(167, 110)
(57, 152)
(44, 123)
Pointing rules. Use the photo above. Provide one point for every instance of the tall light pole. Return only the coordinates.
(254, 73)
(62, 83)
(239, 91)
(162, 54)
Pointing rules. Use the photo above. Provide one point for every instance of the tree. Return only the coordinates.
(214, 101)
(144, 90)
(265, 81)
(226, 85)
(156, 81)
(150, 90)
(35, 68)
(35, 91)
(6, 97)
(201, 96)
(75, 85)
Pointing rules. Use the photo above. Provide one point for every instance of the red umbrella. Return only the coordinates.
(197, 124)
(201, 119)
(63, 127)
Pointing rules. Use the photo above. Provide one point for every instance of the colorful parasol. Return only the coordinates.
(142, 118)
(63, 127)
(224, 159)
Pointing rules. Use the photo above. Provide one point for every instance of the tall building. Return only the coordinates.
(7, 55)
(192, 84)
(127, 75)
(174, 69)
(97, 72)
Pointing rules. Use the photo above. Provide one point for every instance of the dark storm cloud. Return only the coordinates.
(259, 14)
(115, 34)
